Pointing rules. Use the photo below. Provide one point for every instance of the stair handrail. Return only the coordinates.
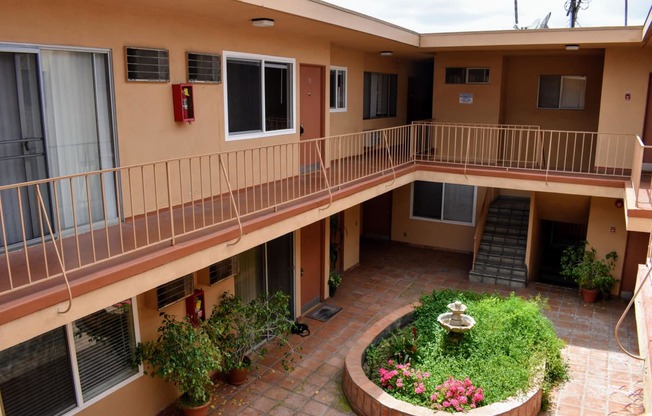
(391, 161)
(44, 214)
(484, 210)
(235, 206)
(323, 171)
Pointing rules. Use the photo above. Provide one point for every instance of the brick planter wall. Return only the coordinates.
(367, 399)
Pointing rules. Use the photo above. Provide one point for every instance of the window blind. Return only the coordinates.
(36, 376)
(104, 344)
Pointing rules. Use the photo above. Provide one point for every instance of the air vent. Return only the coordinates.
(222, 270)
(152, 65)
(174, 291)
(204, 67)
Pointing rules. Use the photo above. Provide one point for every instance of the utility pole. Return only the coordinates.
(625, 12)
(516, 14)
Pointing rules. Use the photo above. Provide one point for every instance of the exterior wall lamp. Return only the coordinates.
(262, 22)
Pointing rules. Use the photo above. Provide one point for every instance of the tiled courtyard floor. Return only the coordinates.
(604, 380)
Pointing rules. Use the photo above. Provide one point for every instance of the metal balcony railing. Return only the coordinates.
(54, 226)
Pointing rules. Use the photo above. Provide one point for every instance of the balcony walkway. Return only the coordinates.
(604, 380)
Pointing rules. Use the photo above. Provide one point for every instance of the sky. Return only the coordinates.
(432, 16)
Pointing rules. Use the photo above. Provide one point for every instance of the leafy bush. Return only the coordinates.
(501, 355)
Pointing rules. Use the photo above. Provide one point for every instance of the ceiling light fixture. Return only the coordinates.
(262, 22)
(386, 53)
(573, 47)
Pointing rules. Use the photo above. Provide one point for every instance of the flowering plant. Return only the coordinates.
(456, 395)
(404, 378)
(451, 396)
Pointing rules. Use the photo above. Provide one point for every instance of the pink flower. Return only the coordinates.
(445, 404)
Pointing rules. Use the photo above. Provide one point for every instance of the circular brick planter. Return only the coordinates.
(367, 399)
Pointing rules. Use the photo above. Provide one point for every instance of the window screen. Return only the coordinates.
(104, 343)
(380, 95)
(443, 202)
(204, 67)
(36, 376)
(260, 95)
(174, 291)
(148, 64)
(561, 92)
(338, 89)
(222, 270)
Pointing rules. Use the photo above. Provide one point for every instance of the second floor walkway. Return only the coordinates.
(72, 234)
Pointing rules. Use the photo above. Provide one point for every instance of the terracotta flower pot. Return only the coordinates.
(589, 295)
(238, 376)
(196, 411)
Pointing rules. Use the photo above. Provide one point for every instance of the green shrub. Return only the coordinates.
(501, 354)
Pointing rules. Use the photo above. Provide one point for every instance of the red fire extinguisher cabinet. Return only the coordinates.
(195, 307)
(182, 98)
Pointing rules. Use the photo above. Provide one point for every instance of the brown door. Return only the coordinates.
(312, 237)
(311, 114)
(647, 126)
(635, 255)
(377, 217)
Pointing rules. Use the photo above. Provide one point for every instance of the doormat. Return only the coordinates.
(324, 313)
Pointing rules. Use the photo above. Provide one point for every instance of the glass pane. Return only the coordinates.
(104, 344)
(244, 96)
(278, 102)
(427, 200)
(458, 203)
(572, 92)
(549, 86)
(249, 282)
(341, 89)
(333, 88)
(455, 75)
(478, 75)
(36, 378)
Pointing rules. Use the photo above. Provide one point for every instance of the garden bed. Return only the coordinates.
(368, 398)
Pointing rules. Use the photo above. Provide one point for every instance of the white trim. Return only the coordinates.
(226, 55)
(346, 89)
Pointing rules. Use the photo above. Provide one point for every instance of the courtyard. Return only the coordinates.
(604, 380)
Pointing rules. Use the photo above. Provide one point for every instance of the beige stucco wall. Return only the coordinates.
(603, 216)
(522, 89)
(349, 121)
(486, 97)
(435, 234)
(625, 71)
(563, 207)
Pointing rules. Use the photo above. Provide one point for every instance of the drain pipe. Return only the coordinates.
(622, 317)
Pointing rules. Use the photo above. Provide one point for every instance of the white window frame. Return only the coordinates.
(561, 92)
(442, 220)
(74, 369)
(344, 70)
(226, 55)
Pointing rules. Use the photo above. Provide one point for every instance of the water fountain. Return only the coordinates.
(456, 321)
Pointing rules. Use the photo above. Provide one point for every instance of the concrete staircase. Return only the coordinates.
(501, 257)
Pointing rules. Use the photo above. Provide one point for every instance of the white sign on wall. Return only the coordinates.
(466, 98)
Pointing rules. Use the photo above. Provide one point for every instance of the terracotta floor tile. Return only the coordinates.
(604, 380)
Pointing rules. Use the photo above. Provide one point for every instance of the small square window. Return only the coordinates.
(561, 92)
(145, 64)
(477, 76)
(455, 75)
(204, 67)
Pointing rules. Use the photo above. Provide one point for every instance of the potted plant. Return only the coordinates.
(592, 275)
(184, 355)
(237, 328)
(334, 280)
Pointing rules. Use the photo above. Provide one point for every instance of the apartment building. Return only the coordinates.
(153, 152)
